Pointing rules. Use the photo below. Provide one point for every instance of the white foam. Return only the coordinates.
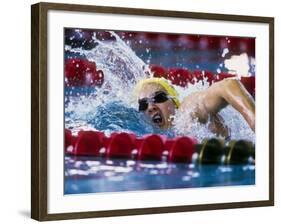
(238, 65)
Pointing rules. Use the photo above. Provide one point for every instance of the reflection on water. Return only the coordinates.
(92, 175)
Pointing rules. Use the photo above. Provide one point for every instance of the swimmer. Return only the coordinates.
(159, 101)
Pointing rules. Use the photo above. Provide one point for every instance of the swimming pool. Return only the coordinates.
(94, 175)
(109, 109)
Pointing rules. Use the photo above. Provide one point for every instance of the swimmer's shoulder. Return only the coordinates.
(192, 99)
(194, 104)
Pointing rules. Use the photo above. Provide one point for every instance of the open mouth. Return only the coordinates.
(157, 118)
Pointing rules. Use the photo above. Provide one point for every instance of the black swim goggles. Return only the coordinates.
(158, 97)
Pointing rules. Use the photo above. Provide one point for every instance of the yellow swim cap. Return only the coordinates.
(163, 83)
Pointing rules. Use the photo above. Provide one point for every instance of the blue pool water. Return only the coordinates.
(93, 175)
(117, 117)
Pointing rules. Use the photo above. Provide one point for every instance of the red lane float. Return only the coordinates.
(183, 77)
(124, 145)
(157, 41)
(151, 148)
(88, 143)
(121, 145)
(80, 72)
(180, 150)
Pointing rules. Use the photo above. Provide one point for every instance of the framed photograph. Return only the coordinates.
(139, 111)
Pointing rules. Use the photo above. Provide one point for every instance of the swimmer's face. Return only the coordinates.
(159, 113)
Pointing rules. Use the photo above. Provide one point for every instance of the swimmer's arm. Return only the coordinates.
(232, 92)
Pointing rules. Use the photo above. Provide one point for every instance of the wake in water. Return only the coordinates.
(110, 108)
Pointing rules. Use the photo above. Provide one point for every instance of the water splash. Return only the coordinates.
(121, 66)
(122, 69)
(239, 65)
(110, 107)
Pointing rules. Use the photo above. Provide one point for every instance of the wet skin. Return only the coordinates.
(205, 105)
